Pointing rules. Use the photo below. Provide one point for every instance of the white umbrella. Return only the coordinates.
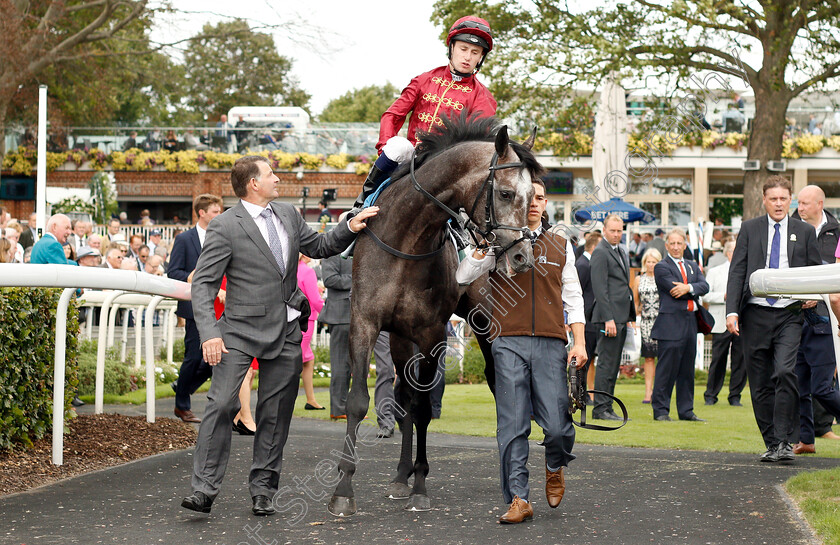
(609, 147)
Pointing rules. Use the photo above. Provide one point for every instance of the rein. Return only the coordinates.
(578, 397)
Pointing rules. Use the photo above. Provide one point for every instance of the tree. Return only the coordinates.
(230, 64)
(37, 34)
(365, 105)
(794, 46)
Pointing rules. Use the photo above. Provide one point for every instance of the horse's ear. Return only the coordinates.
(502, 141)
(531, 139)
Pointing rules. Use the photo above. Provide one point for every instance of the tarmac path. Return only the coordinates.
(613, 496)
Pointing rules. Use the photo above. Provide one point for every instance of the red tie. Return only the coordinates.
(685, 280)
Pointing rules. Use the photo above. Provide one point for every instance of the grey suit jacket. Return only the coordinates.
(611, 285)
(254, 321)
(337, 275)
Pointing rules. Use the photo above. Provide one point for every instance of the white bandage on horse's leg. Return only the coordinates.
(398, 149)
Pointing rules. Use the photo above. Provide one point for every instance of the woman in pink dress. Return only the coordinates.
(308, 283)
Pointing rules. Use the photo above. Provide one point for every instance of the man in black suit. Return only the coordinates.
(583, 266)
(771, 331)
(185, 252)
(679, 282)
(819, 400)
(613, 311)
(29, 236)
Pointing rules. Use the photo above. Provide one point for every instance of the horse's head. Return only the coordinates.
(512, 174)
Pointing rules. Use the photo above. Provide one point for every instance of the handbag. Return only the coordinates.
(705, 321)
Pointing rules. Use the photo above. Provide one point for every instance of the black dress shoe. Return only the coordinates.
(770, 456)
(242, 429)
(735, 403)
(710, 402)
(385, 433)
(262, 506)
(784, 452)
(77, 402)
(310, 407)
(197, 502)
(662, 418)
(692, 418)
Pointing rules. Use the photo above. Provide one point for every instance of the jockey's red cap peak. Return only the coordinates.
(473, 30)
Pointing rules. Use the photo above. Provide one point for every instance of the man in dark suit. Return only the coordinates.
(583, 266)
(612, 313)
(255, 245)
(337, 277)
(771, 331)
(29, 236)
(679, 282)
(815, 361)
(185, 252)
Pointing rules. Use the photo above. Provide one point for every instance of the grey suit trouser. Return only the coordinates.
(606, 372)
(530, 377)
(278, 389)
(339, 368)
(383, 392)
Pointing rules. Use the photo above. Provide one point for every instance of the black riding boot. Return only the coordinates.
(374, 178)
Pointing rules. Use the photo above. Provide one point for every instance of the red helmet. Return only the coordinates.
(473, 30)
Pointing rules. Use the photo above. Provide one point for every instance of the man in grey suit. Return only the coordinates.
(255, 245)
(614, 310)
(336, 273)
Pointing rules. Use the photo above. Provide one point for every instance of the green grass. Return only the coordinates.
(818, 495)
(470, 410)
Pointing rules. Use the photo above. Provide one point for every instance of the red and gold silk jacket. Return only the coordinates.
(428, 97)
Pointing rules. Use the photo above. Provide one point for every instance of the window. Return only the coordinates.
(671, 186)
(679, 213)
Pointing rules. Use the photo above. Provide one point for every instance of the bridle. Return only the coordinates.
(483, 238)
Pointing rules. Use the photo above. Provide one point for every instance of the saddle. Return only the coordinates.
(579, 395)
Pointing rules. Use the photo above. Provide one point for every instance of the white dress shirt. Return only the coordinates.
(201, 234)
(255, 211)
(783, 258)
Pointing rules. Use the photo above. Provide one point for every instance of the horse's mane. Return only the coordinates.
(465, 128)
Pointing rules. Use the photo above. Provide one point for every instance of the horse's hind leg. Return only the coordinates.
(421, 411)
(362, 336)
(401, 352)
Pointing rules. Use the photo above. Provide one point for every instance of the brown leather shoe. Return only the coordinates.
(555, 486)
(804, 448)
(187, 416)
(519, 511)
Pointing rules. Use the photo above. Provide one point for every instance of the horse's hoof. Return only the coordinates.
(341, 506)
(398, 491)
(418, 502)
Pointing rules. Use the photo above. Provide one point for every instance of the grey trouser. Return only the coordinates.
(530, 378)
(278, 388)
(339, 368)
(383, 393)
(606, 372)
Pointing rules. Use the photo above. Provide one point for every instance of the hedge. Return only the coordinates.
(27, 352)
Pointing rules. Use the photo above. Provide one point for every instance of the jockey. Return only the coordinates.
(447, 90)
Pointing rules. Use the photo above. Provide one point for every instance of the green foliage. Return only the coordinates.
(27, 338)
(365, 105)
(117, 375)
(103, 194)
(177, 352)
(473, 363)
(72, 204)
(229, 64)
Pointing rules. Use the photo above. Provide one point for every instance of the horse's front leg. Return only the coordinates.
(362, 337)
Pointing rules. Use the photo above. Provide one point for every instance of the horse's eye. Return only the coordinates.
(506, 195)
